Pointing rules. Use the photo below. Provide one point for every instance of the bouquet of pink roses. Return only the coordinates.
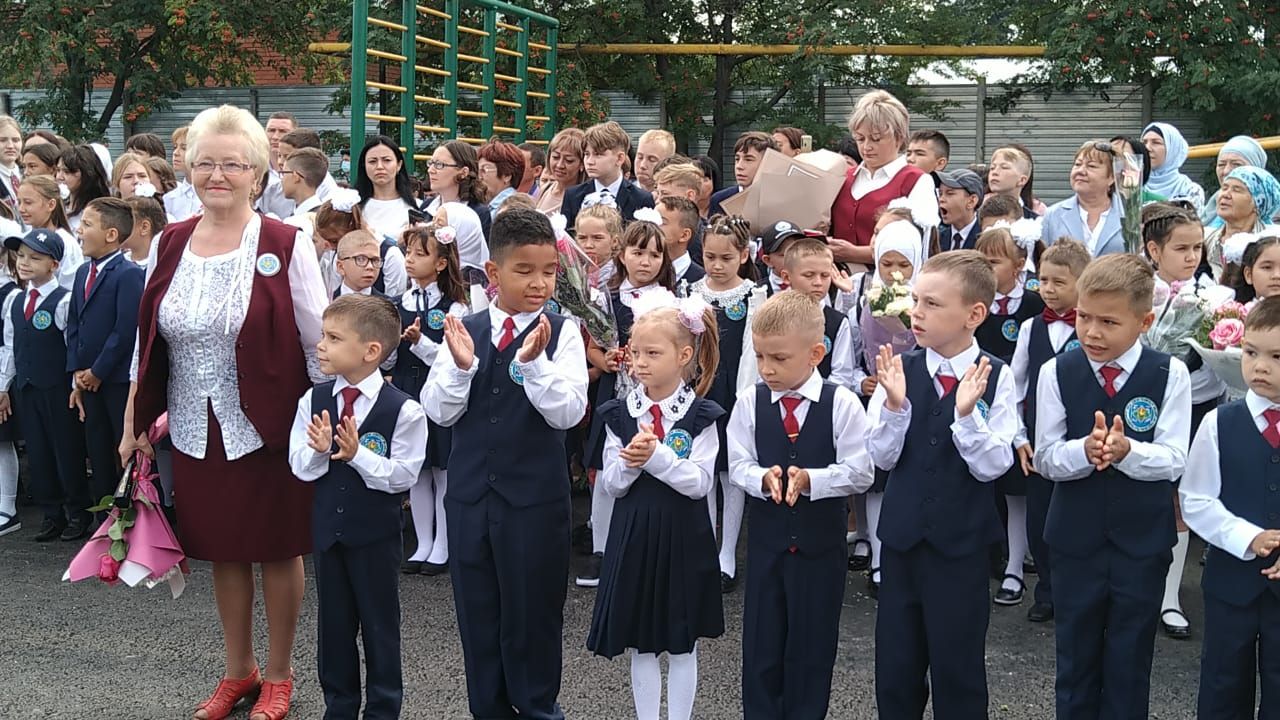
(1218, 343)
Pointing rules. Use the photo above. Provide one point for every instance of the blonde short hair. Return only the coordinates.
(972, 272)
(608, 137)
(1067, 253)
(879, 111)
(121, 163)
(1020, 160)
(685, 176)
(230, 120)
(373, 319)
(659, 135)
(789, 312)
(805, 248)
(356, 239)
(1121, 273)
(6, 121)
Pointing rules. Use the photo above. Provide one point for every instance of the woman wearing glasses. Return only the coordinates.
(454, 171)
(227, 328)
(1093, 213)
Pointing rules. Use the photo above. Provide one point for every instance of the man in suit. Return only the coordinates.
(607, 145)
(748, 151)
(959, 195)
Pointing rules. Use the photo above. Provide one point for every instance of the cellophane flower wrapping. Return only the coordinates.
(1128, 171)
(886, 319)
(578, 297)
(1181, 310)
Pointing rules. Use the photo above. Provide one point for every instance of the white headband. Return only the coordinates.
(649, 215)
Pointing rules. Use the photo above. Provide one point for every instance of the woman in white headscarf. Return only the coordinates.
(1239, 151)
(1168, 151)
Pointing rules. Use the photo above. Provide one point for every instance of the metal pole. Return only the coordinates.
(553, 36)
(409, 79)
(488, 43)
(980, 122)
(451, 8)
(359, 68)
(522, 71)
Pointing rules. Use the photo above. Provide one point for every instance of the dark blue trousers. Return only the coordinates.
(103, 428)
(790, 630)
(1106, 607)
(932, 620)
(1039, 493)
(510, 571)
(1241, 644)
(359, 591)
(55, 451)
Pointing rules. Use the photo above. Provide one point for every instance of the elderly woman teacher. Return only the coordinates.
(227, 330)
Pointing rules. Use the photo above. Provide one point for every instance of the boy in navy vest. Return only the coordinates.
(1111, 427)
(358, 264)
(362, 442)
(33, 370)
(514, 380)
(1230, 498)
(1048, 335)
(809, 268)
(942, 423)
(796, 447)
(102, 325)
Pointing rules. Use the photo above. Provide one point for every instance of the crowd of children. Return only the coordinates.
(977, 403)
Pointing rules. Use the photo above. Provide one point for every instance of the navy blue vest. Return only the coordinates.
(380, 285)
(410, 373)
(502, 443)
(731, 331)
(39, 345)
(810, 525)
(1135, 516)
(623, 318)
(1250, 470)
(832, 319)
(998, 334)
(648, 489)
(1039, 352)
(344, 509)
(930, 495)
(373, 292)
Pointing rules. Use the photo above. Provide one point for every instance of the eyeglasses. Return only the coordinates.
(437, 165)
(363, 261)
(229, 169)
(1104, 147)
(282, 172)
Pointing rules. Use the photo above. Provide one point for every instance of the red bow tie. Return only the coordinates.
(1069, 317)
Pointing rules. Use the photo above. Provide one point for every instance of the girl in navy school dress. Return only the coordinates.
(640, 268)
(660, 584)
(731, 289)
(1009, 249)
(9, 521)
(436, 289)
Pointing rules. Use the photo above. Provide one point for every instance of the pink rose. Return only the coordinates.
(108, 570)
(1227, 333)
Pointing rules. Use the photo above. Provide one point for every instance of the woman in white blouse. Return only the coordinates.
(227, 330)
(383, 183)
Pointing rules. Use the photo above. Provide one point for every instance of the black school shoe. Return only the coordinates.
(590, 575)
(79, 528)
(50, 530)
(858, 562)
(1007, 597)
(411, 567)
(10, 524)
(1040, 612)
(1174, 631)
(728, 583)
(873, 585)
(430, 568)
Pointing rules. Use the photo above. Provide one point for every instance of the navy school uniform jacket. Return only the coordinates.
(39, 346)
(102, 329)
(631, 197)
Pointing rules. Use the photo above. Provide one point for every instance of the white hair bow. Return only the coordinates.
(560, 224)
(600, 197)
(64, 192)
(690, 309)
(144, 189)
(1026, 233)
(1233, 249)
(343, 199)
(648, 215)
(924, 216)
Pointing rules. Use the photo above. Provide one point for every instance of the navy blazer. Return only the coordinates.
(1062, 219)
(970, 240)
(719, 196)
(102, 329)
(631, 197)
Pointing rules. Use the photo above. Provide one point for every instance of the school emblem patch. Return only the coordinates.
(983, 409)
(42, 320)
(1009, 329)
(680, 442)
(1141, 414)
(376, 444)
(1033, 285)
(736, 311)
(1072, 344)
(826, 344)
(435, 319)
(268, 265)
(553, 306)
(517, 377)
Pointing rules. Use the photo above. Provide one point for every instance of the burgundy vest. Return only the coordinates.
(855, 220)
(271, 365)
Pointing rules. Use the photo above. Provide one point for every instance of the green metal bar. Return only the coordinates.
(489, 41)
(359, 68)
(553, 37)
(522, 72)
(408, 78)
(509, 9)
(452, 8)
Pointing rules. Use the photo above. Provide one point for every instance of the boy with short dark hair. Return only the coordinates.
(511, 384)
(928, 150)
(997, 207)
(304, 172)
(796, 446)
(680, 224)
(809, 268)
(943, 428)
(535, 161)
(607, 145)
(748, 151)
(102, 326)
(362, 443)
(1112, 424)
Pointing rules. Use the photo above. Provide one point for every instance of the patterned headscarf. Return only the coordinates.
(1264, 189)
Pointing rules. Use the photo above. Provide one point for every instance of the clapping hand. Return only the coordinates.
(536, 342)
(1096, 441)
(797, 483)
(320, 433)
(772, 485)
(1117, 445)
(841, 279)
(891, 377)
(348, 440)
(641, 448)
(413, 333)
(972, 386)
(461, 346)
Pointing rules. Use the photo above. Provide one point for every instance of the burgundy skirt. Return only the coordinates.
(247, 510)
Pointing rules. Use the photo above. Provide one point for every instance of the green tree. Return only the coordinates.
(147, 52)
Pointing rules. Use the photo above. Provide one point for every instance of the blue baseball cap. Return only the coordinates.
(45, 242)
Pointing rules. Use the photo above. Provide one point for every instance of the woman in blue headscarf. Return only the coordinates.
(1239, 151)
(1168, 151)
(1249, 199)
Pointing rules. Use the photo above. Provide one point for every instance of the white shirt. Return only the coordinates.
(849, 475)
(612, 187)
(555, 386)
(985, 444)
(181, 202)
(692, 477)
(1060, 458)
(7, 176)
(326, 189)
(393, 474)
(843, 363)
(1095, 232)
(8, 369)
(681, 265)
(1015, 300)
(273, 200)
(421, 300)
(72, 259)
(922, 196)
(344, 290)
(386, 218)
(959, 236)
(1202, 509)
(1059, 333)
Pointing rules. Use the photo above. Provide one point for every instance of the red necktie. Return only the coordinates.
(789, 422)
(656, 412)
(1002, 306)
(1051, 316)
(1109, 374)
(93, 275)
(948, 383)
(31, 303)
(1271, 433)
(508, 334)
(349, 395)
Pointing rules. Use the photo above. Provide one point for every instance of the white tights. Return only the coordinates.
(9, 480)
(646, 684)
(735, 499)
(426, 502)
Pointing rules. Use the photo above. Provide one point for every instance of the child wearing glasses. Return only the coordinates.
(358, 264)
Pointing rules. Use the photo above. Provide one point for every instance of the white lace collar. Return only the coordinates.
(723, 298)
(673, 407)
(628, 293)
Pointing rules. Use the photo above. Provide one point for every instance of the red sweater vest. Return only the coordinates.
(271, 365)
(855, 220)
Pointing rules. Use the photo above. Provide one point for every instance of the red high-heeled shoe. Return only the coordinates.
(273, 701)
(228, 694)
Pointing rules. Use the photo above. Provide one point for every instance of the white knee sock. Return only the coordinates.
(646, 685)
(712, 503)
(1017, 539)
(9, 480)
(860, 514)
(874, 501)
(422, 503)
(682, 684)
(601, 513)
(735, 499)
(440, 543)
(1173, 580)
